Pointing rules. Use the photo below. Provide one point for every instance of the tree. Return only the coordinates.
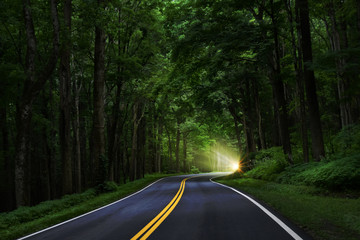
(65, 101)
(98, 152)
(33, 83)
(310, 85)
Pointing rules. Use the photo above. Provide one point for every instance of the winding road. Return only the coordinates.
(181, 207)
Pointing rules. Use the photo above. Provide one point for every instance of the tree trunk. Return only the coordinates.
(338, 38)
(159, 145)
(237, 120)
(247, 115)
(276, 141)
(299, 84)
(76, 91)
(185, 168)
(151, 140)
(250, 143)
(98, 148)
(177, 147)
(114, 119)
(7, 201)
(310, 85)
(85, 163)
(134, 149)
(43, 186)
(170, 148)
(142, 148)
(34, 82)
(279, 91)
(258, 113)
(65, 103)
(138, 113)
(112, 132)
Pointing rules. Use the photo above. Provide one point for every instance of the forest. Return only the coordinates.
(99, 91)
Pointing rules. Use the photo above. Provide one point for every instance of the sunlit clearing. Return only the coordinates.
(220, 158)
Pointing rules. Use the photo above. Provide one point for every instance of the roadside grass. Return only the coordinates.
(26, 220)
(323, 217)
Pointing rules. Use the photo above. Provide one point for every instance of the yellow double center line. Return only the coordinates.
(153, 224)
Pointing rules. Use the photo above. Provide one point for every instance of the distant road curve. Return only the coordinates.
(181, 207)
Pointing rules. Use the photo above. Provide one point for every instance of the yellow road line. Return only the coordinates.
(153, 224)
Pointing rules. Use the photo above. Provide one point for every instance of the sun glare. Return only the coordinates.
(235, 166)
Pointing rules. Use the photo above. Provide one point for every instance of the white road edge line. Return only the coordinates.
(277, 220)
(72, 219)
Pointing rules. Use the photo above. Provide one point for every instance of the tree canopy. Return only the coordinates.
(95, 91)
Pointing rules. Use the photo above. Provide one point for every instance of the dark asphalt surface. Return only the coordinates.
(205, 211)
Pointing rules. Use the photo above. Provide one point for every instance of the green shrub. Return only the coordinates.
(194, 170)
(107, 187)
(269, 163)
(340, 174)
(293, 170)
(347, 141)
(26, 214)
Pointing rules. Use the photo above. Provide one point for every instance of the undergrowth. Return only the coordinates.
(340, 170)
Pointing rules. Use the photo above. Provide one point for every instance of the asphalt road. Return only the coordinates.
(179, 208)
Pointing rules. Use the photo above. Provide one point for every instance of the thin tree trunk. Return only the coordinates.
(142, 147)
(112, 131)
(65, 103)
(52, 144)
(339, 41)
(151, 140)
(259, 117)
(83, 134)
(170, 149)
(237, 120)
(177, 146)
(276, 141)
(98, 148)
(310, 85)
(247, 115)
(185, 168)
(134, 149)
(76, 90)
(44, 163)
(159, 145)
(138, 113)
(279, 91)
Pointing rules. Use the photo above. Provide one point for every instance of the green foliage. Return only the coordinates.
(340, 174)
(26, 214)
(347, 141)
(268, 164)
(107, 187)
(194, 170)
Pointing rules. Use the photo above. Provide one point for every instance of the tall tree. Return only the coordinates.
(279, 88)
(33, 83)
(295, 44)
(98, 150)
(310, 85)
(65, 101)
